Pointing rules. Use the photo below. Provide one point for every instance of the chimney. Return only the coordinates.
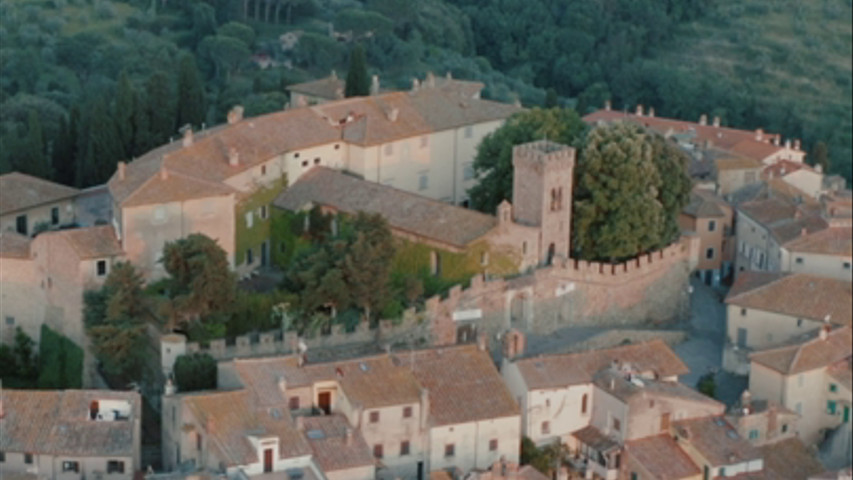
(482, 342)
(416, 84)
(788, 144)
(235, 115)
(608, 105)
(349, 437)
(374, 85)
(121, 170)
(333, 75)
(717, 121)
(449, 75)
(746, 400)
(639, 110)
(424, 408)
(430, 80)
(188, 135)
(392, 114)
(300, 424)
(703, 120)
(825, 329)
(804, 232)
(282, 384)
(797, 144)
(164, 175)
(818, 168)
(169, 389)
(759, 135)
(777, 139)
(233, 157)
(652, 112)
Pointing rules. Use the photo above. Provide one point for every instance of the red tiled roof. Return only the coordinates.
(716, 440)
(327, 436)
(789, 459)
(57, 422)
(662, 457)
(794, 294)
(554, 371)
(785, 167)
(831, 241)
(809, 355)
(14, 245)
(90, 242)
(19, 191)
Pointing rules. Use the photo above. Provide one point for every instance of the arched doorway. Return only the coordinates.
(551, 251)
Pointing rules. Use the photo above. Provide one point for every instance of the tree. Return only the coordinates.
(31, 157)
(160, 105)
(103, 147)
(671, 164)
(493, 163)
(141, 125)
(201, 284)
(64, 160)
(357, 82)
(707, 385)
(191, 101)
(226, 54)
(115, 321)
(622, 207)
(551, 99)
(195, 372)
(239, 31)
(820, 156)
(123, 112)
(367, 267)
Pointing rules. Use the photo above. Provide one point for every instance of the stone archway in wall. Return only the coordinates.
(519, 308)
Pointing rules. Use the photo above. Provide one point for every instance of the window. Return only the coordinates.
(830, 407)
(374, 417)
(799, 260)
(407, 412)
(337, 146)
(389, 149)
(101, 268)
(2, 456)
(21, 224)
(468, 171)
(263, 169)
(484, 259)
(317, 161)
(634, 476)
(546, 428)
(424, 141)
(833, 387)
(435, 263)
(296, 155)
(712, 225)
(784, 428)
(722, 472)
(449, 450)
(250, 256)
(469, 131)
(799, 322)
(423, 181)
(54, 216)
(293, 403)
(617, 425)
(71, 467)
(263, 212)
(377, 450)
(115, 466)
(709, 253)
(584, 401)
(742, 312)
(404, 448)
(10, 320)
(28, 458)
(753, 434)
(250, 219)
(846, 265)
(493, 445)
(524, 248)
(304, 163)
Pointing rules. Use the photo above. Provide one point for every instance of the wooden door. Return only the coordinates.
(324, 401)
(268, 460)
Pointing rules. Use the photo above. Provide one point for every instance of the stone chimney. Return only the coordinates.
(235, 115)
(416, 84)
(825, 329)
(788, 144)
(374, 85)
(717, 121)
(430, 80)
(210, 425)
(797, 144)
(121, 170)
(608, 105)
(651, 112)
(233, 157)
(504, 213)
(188, 135)
(392, 114)
(772, 421)
(703, 119)
(424, 408)
(639, 110)
(818, 168)
(746, 401)
(169, 389)
(759, 135)
(2, 410)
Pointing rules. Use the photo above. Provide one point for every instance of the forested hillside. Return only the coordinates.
(84, 83)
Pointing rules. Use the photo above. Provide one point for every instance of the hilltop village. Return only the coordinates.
(725, 352)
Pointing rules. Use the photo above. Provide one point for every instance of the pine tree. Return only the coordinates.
(358, 83)
(123, 112)
(160, 106)
(191, 101)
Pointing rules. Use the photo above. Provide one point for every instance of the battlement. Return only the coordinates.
(544, 152)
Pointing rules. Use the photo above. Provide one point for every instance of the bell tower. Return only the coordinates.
(542, 194)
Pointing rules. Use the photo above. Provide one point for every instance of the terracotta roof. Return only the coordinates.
(736, 162)
(716, 440)
(57, 422)
(742, 142)
(769, 211)
(831, 241)
(91, 242)
(595, 439)
(553, 371)
(329, 88)
(230, 418)
(327, 436)
(704, 204)
(463, 384)
(175, 187)
(370, 382)
(842, 372)
(19, 191)
(785, 167)
(794, 294)
(662, 457)
(442, 111)
(464, 88)
(372, 121)
(789, 459)
(808, 355)
(615, 383)
(404, 211)
(14, 245)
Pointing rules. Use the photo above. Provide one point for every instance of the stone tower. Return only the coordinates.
(542, 194)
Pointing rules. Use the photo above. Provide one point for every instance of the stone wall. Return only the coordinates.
(614, 338)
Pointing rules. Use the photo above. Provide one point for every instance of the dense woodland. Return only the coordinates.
(85, 83)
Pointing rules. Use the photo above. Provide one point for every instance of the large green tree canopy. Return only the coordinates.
(493, 164)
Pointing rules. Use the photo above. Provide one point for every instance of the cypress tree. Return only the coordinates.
(32, 158)
(141, 125)
(64, 162)
(123, 112)
(357, 82)
(103, 148)
(191, 101)
(161, 108)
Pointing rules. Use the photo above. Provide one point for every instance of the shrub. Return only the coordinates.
(195, 372)
(60, 361)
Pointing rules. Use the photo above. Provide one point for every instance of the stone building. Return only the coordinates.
(28, 203)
